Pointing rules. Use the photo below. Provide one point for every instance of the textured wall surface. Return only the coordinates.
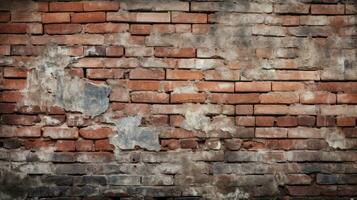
(186, 100)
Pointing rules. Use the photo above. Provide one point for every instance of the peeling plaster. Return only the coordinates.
(49, 85)
(129, 135)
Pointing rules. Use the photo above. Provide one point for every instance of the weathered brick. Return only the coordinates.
(183, 75)
(104, 73)
(100, 6)
(84, 145)
(234, 98)
(141, 73)
(149, 97)
(13, 28)
(60, 133)
(187, 98)
(174, 52)
(105, 28)
(140, 29)
(62, 28)
(271, 109)
(65, 145)
(327, 9)
(95, 132)
(279, 98)
(291, 8)
(215, 86)
(252, 86)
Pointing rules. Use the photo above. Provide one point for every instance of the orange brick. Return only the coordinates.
(252, 86)
(195, 18)
(55, 18)
(140, 29)
(88, 17)
(187, 98)
(12, 84)
(95, 132)
(144, 85)
(66, 6)
(175, 52)
(140, 73)
(149, 97)
(10, 96)
(183, 75)
(62, 28)
(101, 6)
(13, 28)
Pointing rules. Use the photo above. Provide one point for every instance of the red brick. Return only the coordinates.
(13, 39)
(12, 131)
(141, 73)
(287, 121)
(84, 145)
(325, 121)
(337, 87)
(10, 96)
(264, 121)
(103, 145)
(66, 6)
(104, 73)
(62, 28)
(13, 28)
(114, 51)
(189, 144)
(20, 119)
(144, 85)
(287, 86)
(101, 6)
(60, 133)
(245, 121)
(7, 107)
(183, 75)
(42, 6)
(175, 52)
(37, 143)
(140, 29)
(215, 86)
(346, 121)
(65, 145)
(279, 98)
(95, 132)
(12, 72)
(5, 50)
(195, 18)
(306, 120)
(4, 16)
(88, 17)
(176, 120)
(170, 144)
(317, 98)
(244, 109)
(105, 28)
(12, 84)
(233, 98)
(149, 97)
(55, 18)
(187, 98)
(271, 132)
(327, 9)
(253, 86)
(347, 98)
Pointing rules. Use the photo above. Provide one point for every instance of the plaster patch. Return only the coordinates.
(129, 135)
(49, 85)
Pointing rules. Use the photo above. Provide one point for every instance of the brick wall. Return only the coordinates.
(178, 99)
